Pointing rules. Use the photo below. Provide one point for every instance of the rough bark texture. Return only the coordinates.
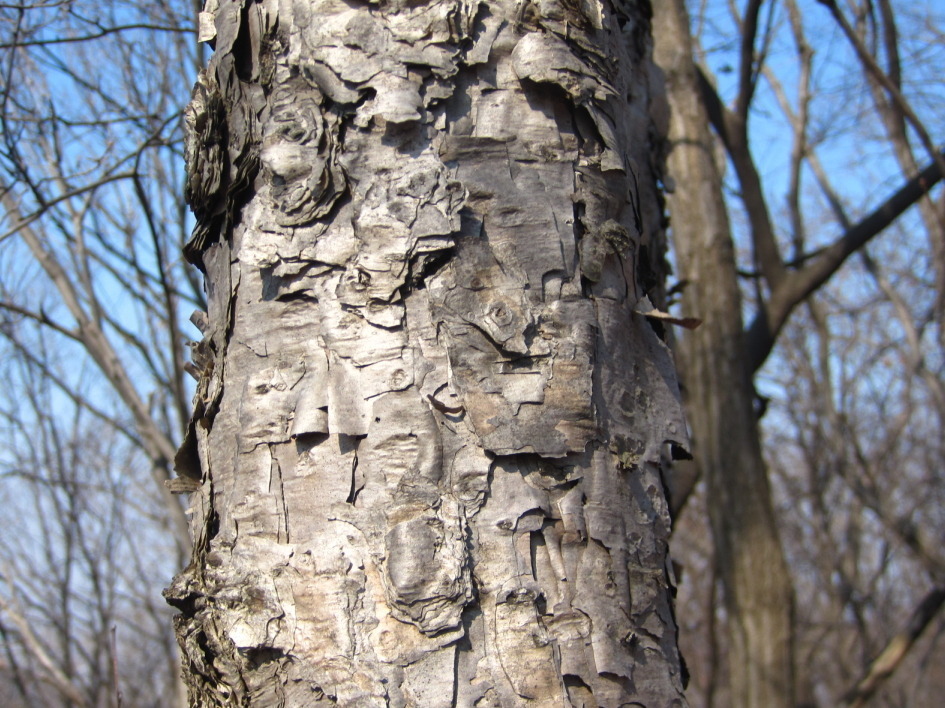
(429, 426)
(718, 386)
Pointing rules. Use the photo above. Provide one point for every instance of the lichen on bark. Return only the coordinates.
(429, 429)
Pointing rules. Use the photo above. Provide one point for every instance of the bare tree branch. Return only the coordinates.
(157, 444)
(895, 651)
(733, 131)
(762, 332)
(747, 71)
(97, 35)
(869, 63)
(24, 221)
(53, 673)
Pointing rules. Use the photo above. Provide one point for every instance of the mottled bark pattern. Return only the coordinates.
(430, 423)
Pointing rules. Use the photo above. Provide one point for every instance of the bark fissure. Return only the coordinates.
(428, 352)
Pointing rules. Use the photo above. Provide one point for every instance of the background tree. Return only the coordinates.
(769, 46)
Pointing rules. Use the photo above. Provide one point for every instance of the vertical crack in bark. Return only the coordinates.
(355, 486)
(280, 499)
(455, 691)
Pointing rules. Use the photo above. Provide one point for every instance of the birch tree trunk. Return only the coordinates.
(425, 451)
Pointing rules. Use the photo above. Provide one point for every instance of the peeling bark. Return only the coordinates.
(429, 423)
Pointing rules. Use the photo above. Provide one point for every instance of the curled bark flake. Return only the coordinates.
(204, 147)
(524, 646)
(544, 58)
(329, 83)
(207, 30)
(299, 153)
(429, 583)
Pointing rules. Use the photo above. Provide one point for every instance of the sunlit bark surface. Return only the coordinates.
(427, 435)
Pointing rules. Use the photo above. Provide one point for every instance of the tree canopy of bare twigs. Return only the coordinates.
(92, 294)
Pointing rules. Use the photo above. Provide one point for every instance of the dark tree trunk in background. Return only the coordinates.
(717, 380)
(427, 437)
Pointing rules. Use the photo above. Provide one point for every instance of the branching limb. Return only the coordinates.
(25, 221)
(799, 284)
(895, 651)
(876, 72)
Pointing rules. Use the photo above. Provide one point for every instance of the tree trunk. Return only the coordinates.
(427, 433)
(717, 381)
